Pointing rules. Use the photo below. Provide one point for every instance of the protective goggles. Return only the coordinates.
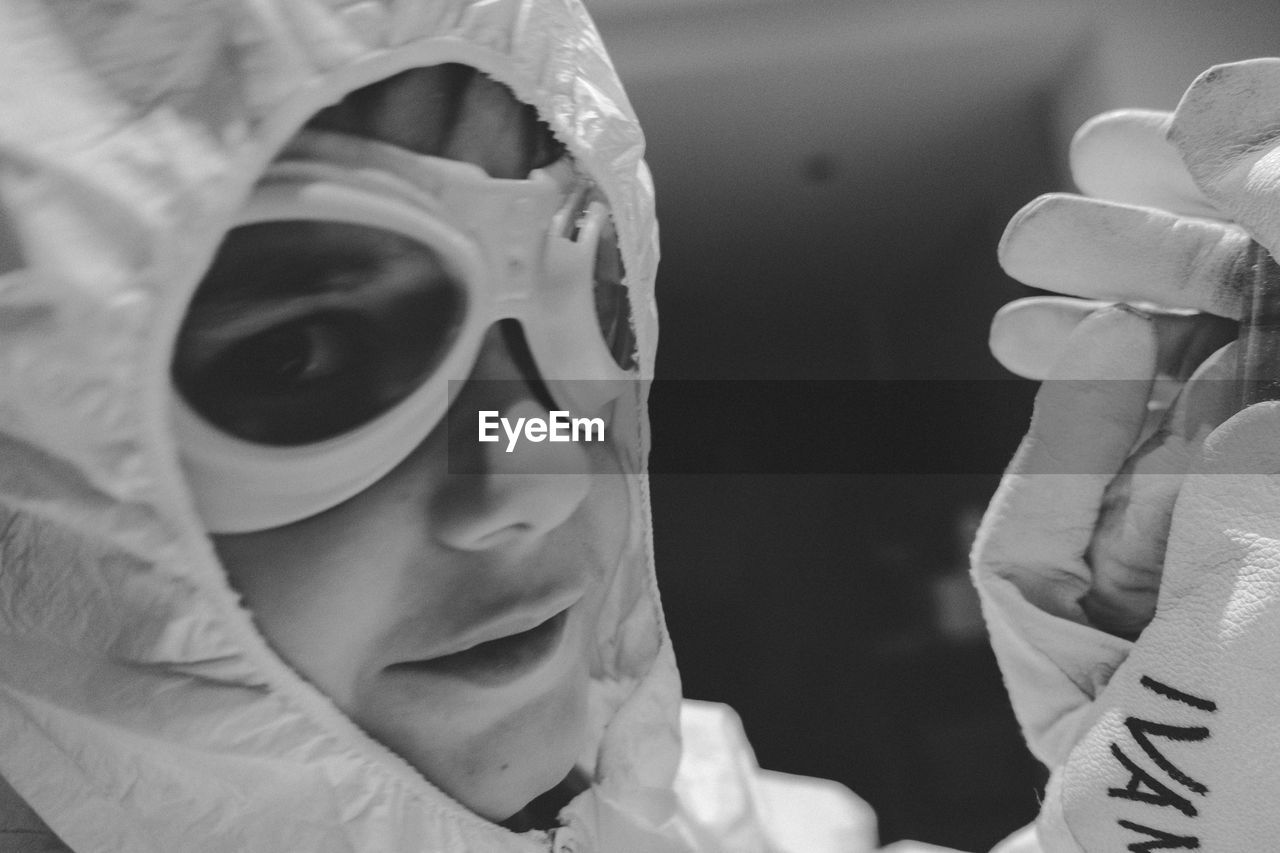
(360, 278)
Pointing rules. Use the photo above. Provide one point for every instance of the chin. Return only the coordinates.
(531, 752)
(507, 793)
(498, 767)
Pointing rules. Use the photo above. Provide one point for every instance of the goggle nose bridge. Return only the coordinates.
(511, 223)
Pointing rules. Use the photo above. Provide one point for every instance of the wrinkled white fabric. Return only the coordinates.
(730, 799)
(140, 710)
(1170, 742)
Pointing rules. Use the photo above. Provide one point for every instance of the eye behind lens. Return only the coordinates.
(295, 383)
(289, 357)
(303, 331)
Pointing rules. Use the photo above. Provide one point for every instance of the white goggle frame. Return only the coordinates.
(523, 250)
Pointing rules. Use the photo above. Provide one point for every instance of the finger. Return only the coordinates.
(1028, 336)
(1125, 156)
(1103, 250)
(1127, 551)
(1084, 425)
(1226, 128)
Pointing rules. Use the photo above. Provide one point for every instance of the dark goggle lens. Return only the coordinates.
(302, 331)
(613, 307)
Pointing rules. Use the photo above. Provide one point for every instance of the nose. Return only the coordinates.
(507, 493)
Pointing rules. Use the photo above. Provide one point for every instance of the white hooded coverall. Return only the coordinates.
(140, 709)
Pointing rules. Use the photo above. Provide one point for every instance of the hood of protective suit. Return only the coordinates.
(140, 709)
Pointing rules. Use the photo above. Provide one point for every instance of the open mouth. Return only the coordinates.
(496, 662)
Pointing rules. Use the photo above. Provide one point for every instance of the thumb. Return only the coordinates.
(1227, 129)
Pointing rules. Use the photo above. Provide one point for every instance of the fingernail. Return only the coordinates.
(1129, 309)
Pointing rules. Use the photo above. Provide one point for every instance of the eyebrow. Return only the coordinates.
(226, 315)
(301, 256)
(214, 325)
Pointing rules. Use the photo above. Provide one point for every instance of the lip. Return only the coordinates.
(506, 616)
(498, 661)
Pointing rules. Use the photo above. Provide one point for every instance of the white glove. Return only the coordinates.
(1170, 742)
(1145, 235)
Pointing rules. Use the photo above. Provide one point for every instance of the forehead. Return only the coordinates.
(451, 111)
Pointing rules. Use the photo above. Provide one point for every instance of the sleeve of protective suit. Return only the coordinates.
(726, 796)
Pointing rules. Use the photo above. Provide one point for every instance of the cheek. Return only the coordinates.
(320, 592)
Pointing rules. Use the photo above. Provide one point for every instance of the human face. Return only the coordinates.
(454, 617)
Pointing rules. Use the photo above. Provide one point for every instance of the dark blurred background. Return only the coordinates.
(833, 178)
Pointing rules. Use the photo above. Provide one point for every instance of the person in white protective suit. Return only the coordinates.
(1138, 626)
(245, 603)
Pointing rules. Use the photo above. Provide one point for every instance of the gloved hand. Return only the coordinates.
(1144, 234)
(1167, 742)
